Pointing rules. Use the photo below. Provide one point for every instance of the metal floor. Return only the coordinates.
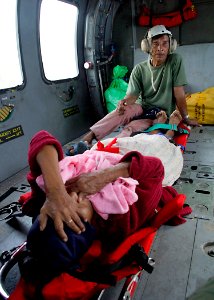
(181, 252)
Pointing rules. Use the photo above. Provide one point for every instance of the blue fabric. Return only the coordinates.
(78, 148)
(149, 113)
(54, 254)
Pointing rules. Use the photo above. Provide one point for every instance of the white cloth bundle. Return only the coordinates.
(153, 145)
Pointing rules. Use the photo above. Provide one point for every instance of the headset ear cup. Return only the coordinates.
(173, 45)
(145, 46)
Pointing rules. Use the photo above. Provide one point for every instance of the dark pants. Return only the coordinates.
(52, 254)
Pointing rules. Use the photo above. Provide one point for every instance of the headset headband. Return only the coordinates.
(146, 43)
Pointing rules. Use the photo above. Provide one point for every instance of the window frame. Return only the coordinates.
(19, 46)
(44, 78)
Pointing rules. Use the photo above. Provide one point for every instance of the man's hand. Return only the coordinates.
(121, 107)
(62, 208)
(192, 122)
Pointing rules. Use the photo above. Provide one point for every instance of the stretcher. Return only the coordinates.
(117, 264)
(127, 261)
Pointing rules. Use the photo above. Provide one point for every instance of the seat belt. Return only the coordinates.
(168, 127)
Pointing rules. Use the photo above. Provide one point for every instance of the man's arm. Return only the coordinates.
(182, 106)
(91, 183)
(59, 205)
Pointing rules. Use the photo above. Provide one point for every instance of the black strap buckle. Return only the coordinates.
(11, 210)
(142, 259)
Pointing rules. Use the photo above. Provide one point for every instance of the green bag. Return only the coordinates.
(117, 89)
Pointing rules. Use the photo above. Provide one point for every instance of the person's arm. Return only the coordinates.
(169, 134)
(91, 183)
(182, 106)
(134, 90)
(59, 205)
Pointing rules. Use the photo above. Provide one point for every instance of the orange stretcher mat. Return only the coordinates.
(67, 287)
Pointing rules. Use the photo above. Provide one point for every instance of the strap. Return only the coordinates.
(167, 126)
(103, 273)
(8, 192)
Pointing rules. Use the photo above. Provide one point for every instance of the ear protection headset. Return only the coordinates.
(146, 43)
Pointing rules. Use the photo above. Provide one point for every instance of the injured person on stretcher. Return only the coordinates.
(157, 142)
(95, 195)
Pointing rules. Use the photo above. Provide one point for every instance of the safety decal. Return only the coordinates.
(10, 134)
(5, 112)
(69, 111)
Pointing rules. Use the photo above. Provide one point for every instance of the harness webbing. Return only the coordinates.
(167, 126)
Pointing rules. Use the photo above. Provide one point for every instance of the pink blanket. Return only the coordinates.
(115, 197)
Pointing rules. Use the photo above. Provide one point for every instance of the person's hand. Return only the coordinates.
(88, 183)
(62, 208)
(121, 107)
(192, 122)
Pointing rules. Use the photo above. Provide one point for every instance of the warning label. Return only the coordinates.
(71, 111)
(10, 134)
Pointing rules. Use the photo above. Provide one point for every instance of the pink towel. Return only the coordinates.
(115, 197)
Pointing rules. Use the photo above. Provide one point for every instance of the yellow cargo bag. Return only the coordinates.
(201, 106)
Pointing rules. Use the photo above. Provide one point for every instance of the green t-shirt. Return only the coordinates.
(165, 77)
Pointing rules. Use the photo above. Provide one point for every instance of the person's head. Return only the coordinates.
(158, 43)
